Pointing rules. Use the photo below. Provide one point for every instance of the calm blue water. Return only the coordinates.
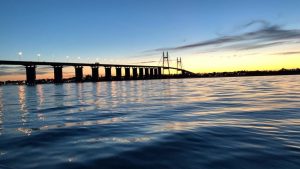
(234, 123)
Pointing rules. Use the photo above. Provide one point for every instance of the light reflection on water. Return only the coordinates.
(190, 123)
(22, 99)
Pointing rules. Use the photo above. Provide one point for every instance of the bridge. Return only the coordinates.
(131, 71)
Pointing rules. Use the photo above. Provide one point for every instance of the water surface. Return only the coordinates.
(248, 122)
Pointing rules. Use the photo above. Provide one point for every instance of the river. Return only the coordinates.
(213, 123)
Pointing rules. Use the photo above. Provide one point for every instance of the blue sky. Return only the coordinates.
(130, 30)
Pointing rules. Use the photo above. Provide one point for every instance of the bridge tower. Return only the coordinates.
(179, 64)
(166, 62)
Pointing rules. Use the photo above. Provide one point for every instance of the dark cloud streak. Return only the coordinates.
(258, 46)
(266, 36)
(21, 70)
(18, 72)
(288, 53)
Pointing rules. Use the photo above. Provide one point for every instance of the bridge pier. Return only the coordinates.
(134, 73)
(127, 73)
(146, 72)
(108, 73)
(141, 73)
(118, 73)
(151, 72)
(30, 75)
(58, 74)
(159, 71)
(95, 73)
(78, 73)
(155, 73)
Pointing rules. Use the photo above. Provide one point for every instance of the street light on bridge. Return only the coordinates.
(20, 55)
(38, 55)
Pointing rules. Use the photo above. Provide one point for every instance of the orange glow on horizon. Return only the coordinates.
(261, 59)
(225, 61)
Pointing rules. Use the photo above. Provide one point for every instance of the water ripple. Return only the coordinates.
(249, 122)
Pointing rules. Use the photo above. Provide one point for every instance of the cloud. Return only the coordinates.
(153, 61)
(263, 23)
(12, 72)
(288, 53)
(8, 73)
(20, 70)
(255, 46)
(266, 35)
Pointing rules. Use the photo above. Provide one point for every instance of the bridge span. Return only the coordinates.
(131, 71)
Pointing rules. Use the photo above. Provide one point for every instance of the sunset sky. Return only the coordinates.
(209, 35)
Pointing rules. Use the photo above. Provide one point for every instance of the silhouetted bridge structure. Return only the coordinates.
(131, 71)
